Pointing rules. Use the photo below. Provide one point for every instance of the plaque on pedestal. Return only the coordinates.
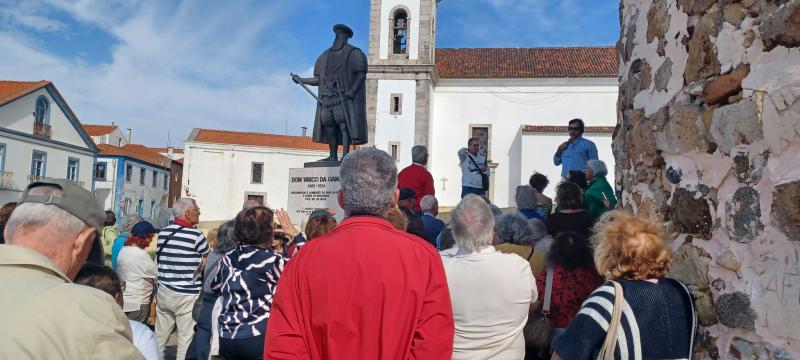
(310, 189)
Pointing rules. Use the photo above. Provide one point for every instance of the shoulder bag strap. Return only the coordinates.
(474, 163)
(161, 249)
(548, 291)
(610, 344)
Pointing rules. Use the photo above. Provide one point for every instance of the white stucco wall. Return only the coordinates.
(18, 116)
(218, 175)
(506, 105)
(537, 156)
(396, 128)
(115, 137)
(413, 37)
(104, 189)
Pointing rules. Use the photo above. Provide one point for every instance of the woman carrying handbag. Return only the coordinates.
(638, 313)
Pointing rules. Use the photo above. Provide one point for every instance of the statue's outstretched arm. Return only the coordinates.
(313, 81)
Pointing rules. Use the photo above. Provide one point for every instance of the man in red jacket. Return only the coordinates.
(364, 290)
(416, 177)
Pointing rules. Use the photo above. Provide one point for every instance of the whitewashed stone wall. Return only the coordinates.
(707, 140)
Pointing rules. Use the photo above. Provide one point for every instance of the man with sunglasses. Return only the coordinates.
(575, 152)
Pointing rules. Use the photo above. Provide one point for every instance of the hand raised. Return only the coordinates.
(287, 227)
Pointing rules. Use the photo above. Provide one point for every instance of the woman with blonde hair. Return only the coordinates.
(657, 317)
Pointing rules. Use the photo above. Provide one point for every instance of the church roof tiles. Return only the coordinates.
(563, 129)
(98, 130)
(566, 62)
(255, 139)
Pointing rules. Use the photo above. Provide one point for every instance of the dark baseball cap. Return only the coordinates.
(74, 199)
(143, 228)
(406, 193)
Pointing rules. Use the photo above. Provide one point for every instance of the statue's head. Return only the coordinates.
(342, 30)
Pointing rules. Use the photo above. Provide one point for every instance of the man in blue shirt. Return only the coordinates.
(433, 226)
(575, 152)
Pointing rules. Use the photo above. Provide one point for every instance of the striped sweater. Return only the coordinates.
(658, 322)
(182, 252)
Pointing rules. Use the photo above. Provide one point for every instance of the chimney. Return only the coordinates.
(304, 130)
(130, 136)
(112, 124)
(170, 150)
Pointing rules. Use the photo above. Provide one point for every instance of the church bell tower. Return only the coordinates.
(402, 73)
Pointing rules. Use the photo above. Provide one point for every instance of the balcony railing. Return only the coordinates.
(7, 179)
(41, 129)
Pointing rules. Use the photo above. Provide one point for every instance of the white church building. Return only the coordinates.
(516, 100)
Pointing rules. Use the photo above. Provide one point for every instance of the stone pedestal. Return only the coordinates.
(310, 189)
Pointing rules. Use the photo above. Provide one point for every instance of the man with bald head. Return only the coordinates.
(49, 236)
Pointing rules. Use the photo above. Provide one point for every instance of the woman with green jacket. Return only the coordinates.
(599, 196)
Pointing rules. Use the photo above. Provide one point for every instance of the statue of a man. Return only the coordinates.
(340, 73)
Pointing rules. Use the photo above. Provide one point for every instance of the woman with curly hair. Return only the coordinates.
(516, 235)
(571, 215)
(247, 278)
(658, 319)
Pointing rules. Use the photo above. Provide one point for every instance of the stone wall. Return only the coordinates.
(707, 141)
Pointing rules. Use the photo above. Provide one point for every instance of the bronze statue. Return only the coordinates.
(340, 73)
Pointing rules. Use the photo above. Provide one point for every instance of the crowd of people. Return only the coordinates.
(390, 281)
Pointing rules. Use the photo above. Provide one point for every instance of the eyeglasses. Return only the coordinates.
(573, 128)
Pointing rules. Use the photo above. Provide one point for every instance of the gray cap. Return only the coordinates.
(75, 200)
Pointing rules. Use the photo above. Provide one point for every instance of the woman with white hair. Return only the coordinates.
(599, 196)
(517, 236)
(491, 292)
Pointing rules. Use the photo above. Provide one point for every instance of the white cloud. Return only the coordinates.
(172, 68)
(27, 14)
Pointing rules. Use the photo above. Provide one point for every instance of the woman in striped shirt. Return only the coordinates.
(658, 320)
(246, 281)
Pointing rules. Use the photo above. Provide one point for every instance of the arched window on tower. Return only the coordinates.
(400, 32)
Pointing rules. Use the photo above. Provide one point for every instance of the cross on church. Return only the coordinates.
(444, 183)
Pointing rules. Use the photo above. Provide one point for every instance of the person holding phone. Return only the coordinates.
(575, 152)
(472, 164)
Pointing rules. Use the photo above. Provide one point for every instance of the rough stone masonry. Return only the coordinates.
(708, 141)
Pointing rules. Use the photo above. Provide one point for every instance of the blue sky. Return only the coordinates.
(162, 67)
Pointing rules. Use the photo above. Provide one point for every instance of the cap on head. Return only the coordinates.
(406, 193)
(320, 212)
(343, 29)
(143, 228)
(74, 200)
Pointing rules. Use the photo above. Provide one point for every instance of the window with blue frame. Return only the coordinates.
(155, 179)
(140, 208)
(100, 171)
(128, 173)
(38, 165)
(73, 166)
(142, 175)
(166, 180)
(152, 209)
(2, 157)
